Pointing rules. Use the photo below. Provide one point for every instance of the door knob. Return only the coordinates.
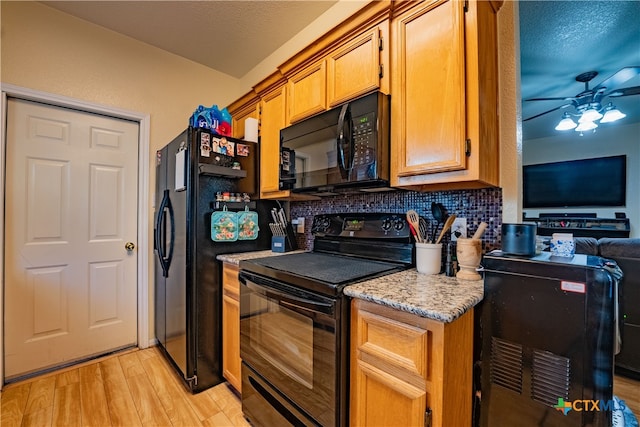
(129, 246)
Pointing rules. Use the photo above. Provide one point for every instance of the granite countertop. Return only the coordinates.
(241, 256)
(436, 297)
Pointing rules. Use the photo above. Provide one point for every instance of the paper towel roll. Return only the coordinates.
(251, 129)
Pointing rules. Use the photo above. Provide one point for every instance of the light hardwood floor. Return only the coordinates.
(139, 388)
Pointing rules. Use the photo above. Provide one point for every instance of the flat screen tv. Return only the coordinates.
(577, 183)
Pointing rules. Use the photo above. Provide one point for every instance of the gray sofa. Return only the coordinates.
(626, 253)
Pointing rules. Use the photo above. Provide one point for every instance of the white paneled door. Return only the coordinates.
(71, 209)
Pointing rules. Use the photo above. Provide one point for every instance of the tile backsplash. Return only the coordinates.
(474, 205)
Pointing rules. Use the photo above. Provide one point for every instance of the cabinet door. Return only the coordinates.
(272, 119)
(428, 87)
(385, 400)
(354, 69)
(389, 369)
(231, 368)
(402, 364)
(231, 363)
(307, 92)
(237, 120)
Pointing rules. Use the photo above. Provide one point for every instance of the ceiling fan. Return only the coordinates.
(588, 103)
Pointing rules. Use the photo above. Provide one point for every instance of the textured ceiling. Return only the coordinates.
(561, 39)
(229, 36)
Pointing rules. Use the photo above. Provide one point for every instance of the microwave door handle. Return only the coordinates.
(345, 140)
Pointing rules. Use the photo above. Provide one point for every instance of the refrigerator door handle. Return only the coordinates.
(161, 233)
(172, 221)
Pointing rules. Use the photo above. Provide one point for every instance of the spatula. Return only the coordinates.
(447, 225)
(414, 219)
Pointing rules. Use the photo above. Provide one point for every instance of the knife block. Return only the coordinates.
(285, 243)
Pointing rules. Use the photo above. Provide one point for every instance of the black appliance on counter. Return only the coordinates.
(345, 147)
(188, 280)
(547, 336)
(294, 318)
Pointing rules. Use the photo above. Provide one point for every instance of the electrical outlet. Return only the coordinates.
(300, 225)
(458, 229)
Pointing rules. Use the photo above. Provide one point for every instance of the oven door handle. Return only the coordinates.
(291, 300)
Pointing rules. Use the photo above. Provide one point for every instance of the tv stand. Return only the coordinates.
(582, 227)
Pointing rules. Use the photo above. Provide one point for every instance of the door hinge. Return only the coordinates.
(380, 43)
(381, 71)
(427, 418)
(467, 147)
(466, 6)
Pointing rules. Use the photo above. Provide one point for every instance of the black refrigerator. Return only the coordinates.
(547, 331)
(191, 173)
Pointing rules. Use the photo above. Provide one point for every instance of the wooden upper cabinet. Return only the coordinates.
(355, 68)
(273, 117)
(428, 90)
(347, 72)
(242, 109)
(307, 92)
(438, 139)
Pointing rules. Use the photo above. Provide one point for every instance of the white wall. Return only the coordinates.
(46, 50)
(615, 139)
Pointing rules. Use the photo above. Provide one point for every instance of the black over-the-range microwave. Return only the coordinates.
(345, 147)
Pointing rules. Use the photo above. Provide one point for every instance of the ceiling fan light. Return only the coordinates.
(566, 123)
(590, 115)
(611, 115)
(583, 126)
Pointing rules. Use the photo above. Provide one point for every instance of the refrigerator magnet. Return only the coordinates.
(242, 150)
(205, 145)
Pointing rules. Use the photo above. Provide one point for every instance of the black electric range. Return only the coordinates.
(295, 321)
(348, 248)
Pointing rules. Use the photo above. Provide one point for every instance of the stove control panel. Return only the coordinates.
(361, 225)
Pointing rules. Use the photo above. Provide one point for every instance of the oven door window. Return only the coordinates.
(290, 339)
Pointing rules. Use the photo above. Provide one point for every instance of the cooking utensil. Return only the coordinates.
(413, 232)
(447, 225)
(424, 229)
(414, 220)
(480, 231)
(439, 214)
(282, 217)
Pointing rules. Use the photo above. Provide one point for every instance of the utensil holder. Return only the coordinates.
(429, 258)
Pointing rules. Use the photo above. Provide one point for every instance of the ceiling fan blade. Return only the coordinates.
(634, 90)
(619, 77)
(551, 99)
(546, 112)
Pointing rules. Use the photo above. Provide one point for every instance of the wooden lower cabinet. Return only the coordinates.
(408, 370)
(231, 369)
